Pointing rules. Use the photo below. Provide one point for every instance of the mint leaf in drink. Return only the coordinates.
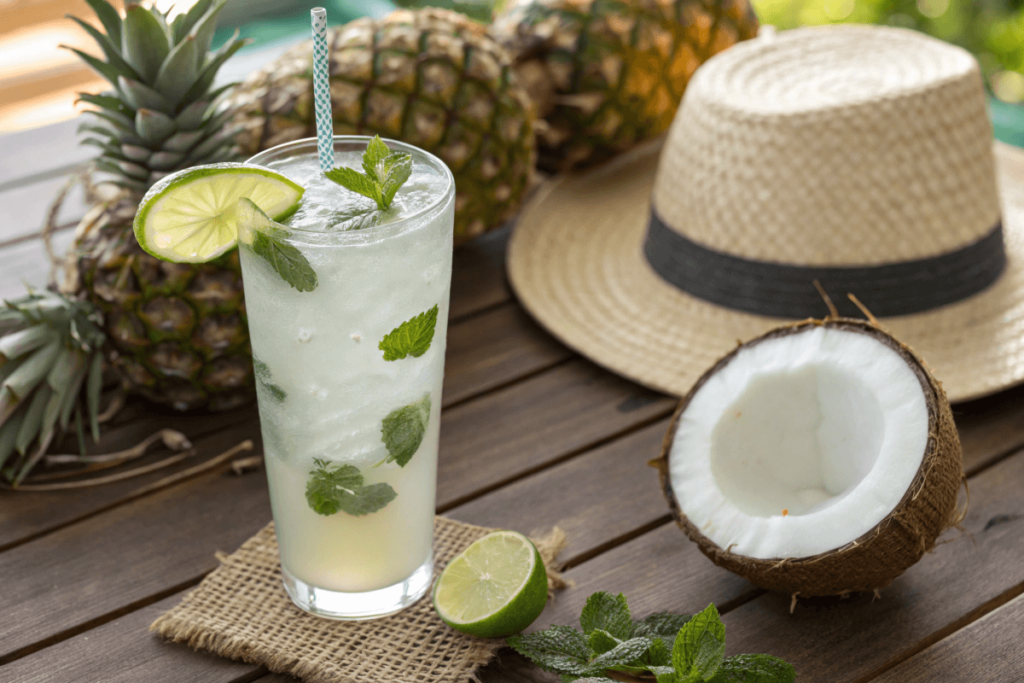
(755, 669)
(403, 429)
(359, 221)
(336, 488)
(267, 239)
(411, 338)
(384, 173)
(609, 613)
(266, 381)
(700, 646)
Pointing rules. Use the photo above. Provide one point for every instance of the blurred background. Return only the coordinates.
(38, 80)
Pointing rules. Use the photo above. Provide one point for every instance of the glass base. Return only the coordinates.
(359, 606)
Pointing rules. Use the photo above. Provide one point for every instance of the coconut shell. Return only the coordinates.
(902, 538)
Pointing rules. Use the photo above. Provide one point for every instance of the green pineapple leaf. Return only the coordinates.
(110, 19)
(144, 42)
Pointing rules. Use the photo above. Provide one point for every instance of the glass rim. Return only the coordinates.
(304, 145)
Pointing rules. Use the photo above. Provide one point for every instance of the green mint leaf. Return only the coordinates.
(700, 646)
(384, 173)
(560, 649)
(609, 613)
(359, 221)
(411, 338)
(331, 489)
(266, 237)
(397, 169)
(375, 153)
(664, 625)
(622, 654)
(351, 179)
(266, 381)
(602, 641)
(659, 654)
(666, 674)
(755, 669)
(403, 429)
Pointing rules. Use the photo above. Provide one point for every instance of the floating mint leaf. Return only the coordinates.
(403, 429)
(340, 488)
(267, 382)
(700, 646)
(755, 669)
(411, 338)
(384, 173)
(609, 613)
(358, 221)
(266, 237)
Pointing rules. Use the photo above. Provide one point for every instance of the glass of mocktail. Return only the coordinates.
(349, 380)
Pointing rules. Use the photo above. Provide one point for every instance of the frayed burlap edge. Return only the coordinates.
(241, 611)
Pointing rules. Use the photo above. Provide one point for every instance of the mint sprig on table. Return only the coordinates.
(671, 648)
(411, 338)
(267, 239)
(332, 488)
(384, 172)
(403, 429)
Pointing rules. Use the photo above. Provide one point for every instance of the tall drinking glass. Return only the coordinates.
(350, 437)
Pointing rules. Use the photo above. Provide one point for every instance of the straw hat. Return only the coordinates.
(858, 156)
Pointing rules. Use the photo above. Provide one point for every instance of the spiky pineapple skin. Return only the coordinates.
(178, 332)
(431, 78)
(609, 74)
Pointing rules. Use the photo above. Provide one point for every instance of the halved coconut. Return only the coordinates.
(818, 459)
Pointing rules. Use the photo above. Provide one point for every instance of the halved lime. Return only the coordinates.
(497, 587)
(188, 217)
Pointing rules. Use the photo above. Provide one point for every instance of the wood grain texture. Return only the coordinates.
(123, 651)
(530, 425)
(838, 640)
(23, 209)
(26, 263)
(50, 150)
(495, 348)
(107, 563)
(987, 651)
(478, 274)
(990, 427)
(602, 495)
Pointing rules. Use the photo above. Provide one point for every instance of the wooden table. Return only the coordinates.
(532, 436)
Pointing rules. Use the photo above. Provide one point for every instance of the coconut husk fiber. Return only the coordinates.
(873, 560)
(241, 611)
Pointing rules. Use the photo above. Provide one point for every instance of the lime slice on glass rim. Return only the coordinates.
(190, 216)
(496, 587)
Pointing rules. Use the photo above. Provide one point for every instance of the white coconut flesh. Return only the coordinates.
(800, 444)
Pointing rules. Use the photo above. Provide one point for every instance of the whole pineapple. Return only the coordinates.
(608, 74)
(431, 78)
(178, 331)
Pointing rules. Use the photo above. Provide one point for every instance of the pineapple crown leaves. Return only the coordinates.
(384, 173)
(161, 115)
(50, 349)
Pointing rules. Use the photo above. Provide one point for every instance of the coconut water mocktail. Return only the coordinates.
(348, 350)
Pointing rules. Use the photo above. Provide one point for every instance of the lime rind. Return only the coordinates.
(495, 588)
(188, 216)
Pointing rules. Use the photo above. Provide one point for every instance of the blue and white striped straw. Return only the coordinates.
(322, 90)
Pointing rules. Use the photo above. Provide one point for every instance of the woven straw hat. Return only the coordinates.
(858, 156)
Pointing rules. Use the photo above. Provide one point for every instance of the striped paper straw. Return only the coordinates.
(322, 90)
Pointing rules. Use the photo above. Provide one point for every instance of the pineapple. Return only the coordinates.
(178, 332)
(608, 74)
(431, 78)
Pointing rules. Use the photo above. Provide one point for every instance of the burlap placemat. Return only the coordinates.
(241, 611)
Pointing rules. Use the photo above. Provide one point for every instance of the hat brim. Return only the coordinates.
(575, 262)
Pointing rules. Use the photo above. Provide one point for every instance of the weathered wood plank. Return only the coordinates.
(26, 263)
(50, 150)
(987, 651)
(478, 275)
(596, 498)
(123, 651)
(486, 442)
(990, 427)
(495, 348)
